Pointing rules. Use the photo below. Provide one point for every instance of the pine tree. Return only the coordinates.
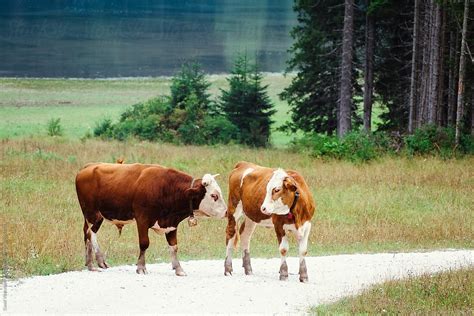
(246, 103)
(190, 80)
(313, 93)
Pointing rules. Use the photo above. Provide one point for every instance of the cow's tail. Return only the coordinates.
(238, 231)
(119, 227)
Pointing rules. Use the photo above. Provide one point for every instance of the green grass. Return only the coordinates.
(26, 105)
(447, 293)
(392, 204)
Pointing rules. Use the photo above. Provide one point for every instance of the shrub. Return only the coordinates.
(188, 116)
(103, 128)
(218, 129)
(355, 146)
(54, 127)
(431, 140)
(467, 143)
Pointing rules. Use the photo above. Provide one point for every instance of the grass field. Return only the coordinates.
(26, 105)
(392, 204)
(447, 293)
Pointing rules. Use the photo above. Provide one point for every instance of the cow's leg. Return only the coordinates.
(144, 242)
(231, 231)
(233, 214)
(246, 231)
(283, 247)
(302, 235)
(99, 257)
(172, 239)
(88, 246)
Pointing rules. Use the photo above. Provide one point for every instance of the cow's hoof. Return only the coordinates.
(303, 279)
(180, 272)
(141, 270)
(228, 267)
(248, 272)
(92, 268)
(283, 277)
(103, 265)
(228, 270)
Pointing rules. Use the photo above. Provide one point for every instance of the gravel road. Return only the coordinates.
(207, 290)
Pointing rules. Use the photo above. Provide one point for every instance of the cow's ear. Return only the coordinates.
(290, 184)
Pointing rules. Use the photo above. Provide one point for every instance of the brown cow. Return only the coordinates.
(154, 196)
(273, 198)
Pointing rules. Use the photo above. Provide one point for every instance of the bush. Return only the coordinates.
(188, 116)
(103, 128)
(467, 143)
(54, 127)
(431, 140)
(355, 146)
(360, 147)
(217, 129)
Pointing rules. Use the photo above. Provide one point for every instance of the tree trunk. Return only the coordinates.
(425, 70)
(441, 109)
(414, 70)
(462, 70)
(345, 101)
(472, 109)
(453, 40)
(369, 70)
(434, 64)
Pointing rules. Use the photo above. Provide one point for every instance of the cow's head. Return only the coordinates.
(280, 194)
(212, 204)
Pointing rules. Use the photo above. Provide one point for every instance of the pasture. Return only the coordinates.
(26, 105)
(392, 204)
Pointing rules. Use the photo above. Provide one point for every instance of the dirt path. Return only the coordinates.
(206, 290)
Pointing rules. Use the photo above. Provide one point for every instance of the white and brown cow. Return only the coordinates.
(154, 196)
(269, 197)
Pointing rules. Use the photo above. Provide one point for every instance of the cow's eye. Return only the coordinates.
(214, 197)
(276, 190)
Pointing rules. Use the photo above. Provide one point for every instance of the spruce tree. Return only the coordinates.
(190, 80)
(247, 105)
(316, 55)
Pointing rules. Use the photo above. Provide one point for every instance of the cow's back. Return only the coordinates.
(247, 185)
(109, 188)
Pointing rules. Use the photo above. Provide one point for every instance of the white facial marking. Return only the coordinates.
(209, 205)
(95, 244)
(270, 206)
(246, 173)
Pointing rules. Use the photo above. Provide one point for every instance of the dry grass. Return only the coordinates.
(447, 293)
(391, 204)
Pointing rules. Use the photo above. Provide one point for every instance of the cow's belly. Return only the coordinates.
(266, 223)
(121, 212)
(119, 222)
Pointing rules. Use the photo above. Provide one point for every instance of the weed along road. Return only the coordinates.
(207, 290)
